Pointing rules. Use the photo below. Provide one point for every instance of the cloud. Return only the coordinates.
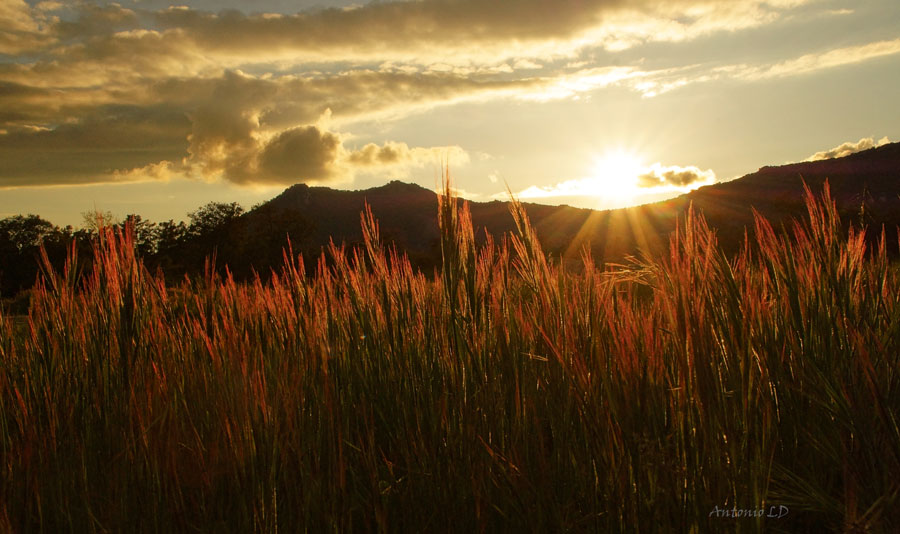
(393, 154)
(460, 33)
(109, 44)
(254, 130)
(527, 64)
(418, 29)
(581, 81)
(21, 27)
(845, 149)
(311, 154)
(389, 154)
(217, 127)
(813, 62)
(17, 16)
(679, 21)
(651, 83)
(111, 91)
(162, 171)
(656, 82)
(276, 102)
(398, 26)
(97, 148)
(94, 20)
(682, 178)
(462, 193)
(225, 134)
(304, 154)
(129, 145)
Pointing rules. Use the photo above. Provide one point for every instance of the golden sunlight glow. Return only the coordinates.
(615, 176)
(620, 178)
(614, 180)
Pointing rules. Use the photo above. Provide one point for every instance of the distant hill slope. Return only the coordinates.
(407, 213)
(865, 187)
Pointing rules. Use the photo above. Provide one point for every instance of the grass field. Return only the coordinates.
(502, 394)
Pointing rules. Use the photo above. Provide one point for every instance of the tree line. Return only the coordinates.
(248, 243)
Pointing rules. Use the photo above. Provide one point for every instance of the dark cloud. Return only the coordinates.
(113, 139)
(216, 126)
(230, 115)
(367, 92)
(426, 29)
(225, 125)
(102, 88)
(276, 102)
(93, 20)
(299, 155)
(845, 149)
(680, 177)
(9, 90)
(312, 154)
(17, 104)
(24, 107)
(389, 24)
(412, 27)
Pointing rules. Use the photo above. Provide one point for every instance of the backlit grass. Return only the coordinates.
(502, 394)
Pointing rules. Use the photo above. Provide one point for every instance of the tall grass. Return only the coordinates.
(503, 394)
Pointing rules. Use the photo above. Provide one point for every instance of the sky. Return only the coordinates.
(155, 108)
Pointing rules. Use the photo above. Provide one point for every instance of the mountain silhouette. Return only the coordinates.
(864, 185)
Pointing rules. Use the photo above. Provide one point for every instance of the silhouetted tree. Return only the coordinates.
(169, 235)
(21, 237)
(169, 242)
(210, 234)
(24, 231)
(213, 219)
(144, 233)
(93, 220)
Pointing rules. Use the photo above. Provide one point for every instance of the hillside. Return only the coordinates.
(865, 186)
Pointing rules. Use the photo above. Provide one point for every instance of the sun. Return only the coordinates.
(615, 175)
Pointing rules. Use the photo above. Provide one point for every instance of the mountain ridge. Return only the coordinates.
(865, 184)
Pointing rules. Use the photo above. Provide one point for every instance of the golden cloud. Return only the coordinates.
(100, 91)
(657, 82)
(674, 177)
(311, 154)
(426, 30)
(217, 127)
(22, 28)
(460, 33)
(112, 139)
(845, 149)
(813, 62)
